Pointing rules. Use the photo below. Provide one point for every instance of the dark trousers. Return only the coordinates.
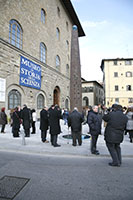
(15, 132)
(33, 127)
(43, 135)
(3, 128)
(94, 139)
(76, 136)
(54, 139)
(115, 152)
(27, 132)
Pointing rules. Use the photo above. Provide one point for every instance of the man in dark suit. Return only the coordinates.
(44, 124)
(26, 118)
(54, 123)
(75, 120)
(114, 133)
(94, 122)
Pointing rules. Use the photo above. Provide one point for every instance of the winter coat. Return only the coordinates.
(26, 117)
(44, 120)
(3, 118)
(94, 122)
(16, 120)
(116, 124)
(54, 121)
(130, 121)
(75, 120)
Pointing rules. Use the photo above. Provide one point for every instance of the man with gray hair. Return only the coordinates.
(75, 120)
(94, 122)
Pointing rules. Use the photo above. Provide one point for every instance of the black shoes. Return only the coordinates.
(114, 165)
(95, 152)
(57, 145)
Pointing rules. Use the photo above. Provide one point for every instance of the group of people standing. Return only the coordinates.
(117, 122)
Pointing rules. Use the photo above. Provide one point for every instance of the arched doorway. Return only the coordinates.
(56, 96)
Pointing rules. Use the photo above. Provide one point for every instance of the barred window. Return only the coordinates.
(43, 16)
(40, 101)
(15, 34)
(43, 52)
(58, 33)
(14, 99)
(57, 62)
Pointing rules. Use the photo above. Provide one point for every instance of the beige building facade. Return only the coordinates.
(35, 52)
(92, 93)
(118, 81)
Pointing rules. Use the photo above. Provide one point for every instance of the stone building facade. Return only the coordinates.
(118, 81)
(39, 31)
(92, 93)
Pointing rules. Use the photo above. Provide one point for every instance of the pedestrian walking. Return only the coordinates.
(3, 119)
(44, 123)
(26, 117)
(65, 116)
(114, 133)
(75, 120)
(16, 121)
(33, 121)
(129, 126)
(54, 123)
(94, 122)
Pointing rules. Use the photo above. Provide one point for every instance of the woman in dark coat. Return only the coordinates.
(114, 132)
(54, 123)
(44, 124)
(16, 122)
(3, 119)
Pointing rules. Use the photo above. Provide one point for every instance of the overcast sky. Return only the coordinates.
(108, 25)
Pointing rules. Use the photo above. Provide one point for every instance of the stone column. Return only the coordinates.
(75, 73)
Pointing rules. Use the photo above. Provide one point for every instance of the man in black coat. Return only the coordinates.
(26, 118)
(44, 124)
(54, 123)
(94, 122)
(75, 120)
(16, 122)
(114, 132)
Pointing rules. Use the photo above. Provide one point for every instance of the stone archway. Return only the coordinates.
(56, 95)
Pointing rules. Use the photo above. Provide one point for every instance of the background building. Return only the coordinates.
(118, 81)
(35, 48)
(92, 93)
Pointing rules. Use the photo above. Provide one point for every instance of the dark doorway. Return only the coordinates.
(56, 96)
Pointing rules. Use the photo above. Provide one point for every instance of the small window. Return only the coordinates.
(58, 33)
(58, 11)
(116, 87)
(43, 16)
(130, 100)
(127, 62)
(67, 69)
(40, 101)
(15, 34)
(115, 62)
(115, 74)
(128, 87)
(85, 101)
(57, 62)
(67, 44)
(128, 74)
(43, 52)
(67, 27)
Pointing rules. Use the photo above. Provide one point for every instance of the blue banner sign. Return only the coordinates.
(30, 73)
